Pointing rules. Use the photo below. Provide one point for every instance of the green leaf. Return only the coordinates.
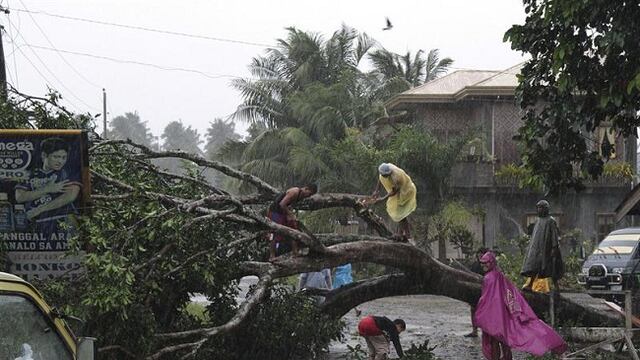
(636, 81)
(604, 100)
(562, 83)
(630, 85)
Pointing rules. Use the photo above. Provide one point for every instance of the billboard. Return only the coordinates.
(44, 186)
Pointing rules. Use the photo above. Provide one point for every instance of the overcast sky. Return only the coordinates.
(469, 31)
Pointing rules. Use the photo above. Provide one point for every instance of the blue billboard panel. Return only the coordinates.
(44, 185)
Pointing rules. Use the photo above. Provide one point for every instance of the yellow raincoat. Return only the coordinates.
(404, 202)
(540, 285)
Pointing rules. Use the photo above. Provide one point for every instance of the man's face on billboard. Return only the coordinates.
(55, 160)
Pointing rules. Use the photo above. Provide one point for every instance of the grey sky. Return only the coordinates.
(469, 31)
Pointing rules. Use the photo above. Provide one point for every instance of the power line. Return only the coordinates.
(59, 54)
(134, 62)
(51, 72)
(142, 28)
(42, 75)
(15, 66)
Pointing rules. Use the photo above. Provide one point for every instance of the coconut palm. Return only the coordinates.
(434, 66)
(301, 59)
(414, 70)
(306, 90)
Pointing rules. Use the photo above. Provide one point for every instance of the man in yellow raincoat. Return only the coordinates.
(401, 195)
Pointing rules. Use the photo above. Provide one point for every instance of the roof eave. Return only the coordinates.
(450, 98)
(485, 91)
(418, 98)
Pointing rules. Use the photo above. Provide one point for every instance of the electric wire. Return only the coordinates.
(44, 77)
(69, 91)
(13, 52)
(59, 54)
(135, 62)
(143, 28)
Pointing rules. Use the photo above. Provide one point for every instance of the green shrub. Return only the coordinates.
(415, 352)
(513, 174)
(355, 353)
(420, 352)
(286, 326)
(618, 170)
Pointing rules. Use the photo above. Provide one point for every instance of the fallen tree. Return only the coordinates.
(188, 206)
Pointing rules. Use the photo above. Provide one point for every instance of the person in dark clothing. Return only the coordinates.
(280, 213)
(377, 332)
(543, 258)
(476, 267)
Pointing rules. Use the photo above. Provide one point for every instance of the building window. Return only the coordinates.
(531, 218)
(605, 224)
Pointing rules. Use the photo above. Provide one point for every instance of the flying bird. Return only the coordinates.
(389, 25)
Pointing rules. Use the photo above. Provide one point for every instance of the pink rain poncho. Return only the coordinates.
(505, 317)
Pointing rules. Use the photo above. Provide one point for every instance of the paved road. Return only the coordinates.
(442, 320)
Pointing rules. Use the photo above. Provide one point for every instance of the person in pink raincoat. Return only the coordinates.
(507, 321)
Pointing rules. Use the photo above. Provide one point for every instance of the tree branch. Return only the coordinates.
(323, 201)
(228, 246)
(147, 153)
(117, 348)
(253, 300)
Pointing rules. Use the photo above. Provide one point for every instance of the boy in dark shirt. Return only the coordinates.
(280, 212)
(377, 332)
(51, 191)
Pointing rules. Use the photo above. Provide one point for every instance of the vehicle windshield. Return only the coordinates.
(618, 244)
(26, 333)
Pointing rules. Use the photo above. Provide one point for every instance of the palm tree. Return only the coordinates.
(130, 126)
(306, 90)
(413, 70)
(434, 66)
(301, 60)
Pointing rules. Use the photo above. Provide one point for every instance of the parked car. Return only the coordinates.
(613, 265)
(31, 329)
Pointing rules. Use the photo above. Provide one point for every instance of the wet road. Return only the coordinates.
(442, 320)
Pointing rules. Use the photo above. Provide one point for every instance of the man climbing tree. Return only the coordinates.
(280, 213)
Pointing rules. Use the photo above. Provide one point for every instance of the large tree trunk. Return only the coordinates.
(419, 273)
(422, 274)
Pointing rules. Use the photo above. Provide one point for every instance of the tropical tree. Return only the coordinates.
(308, 90)
(299, 60)
(218, 133)
(583, 73)
(130, 126)
(414, 70)
(178, 137)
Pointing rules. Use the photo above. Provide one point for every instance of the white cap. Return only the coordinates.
(384, 169)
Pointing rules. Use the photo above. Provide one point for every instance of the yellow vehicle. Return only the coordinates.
(31, 330)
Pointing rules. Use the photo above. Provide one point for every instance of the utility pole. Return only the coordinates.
(3, 70)
(104, 112)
